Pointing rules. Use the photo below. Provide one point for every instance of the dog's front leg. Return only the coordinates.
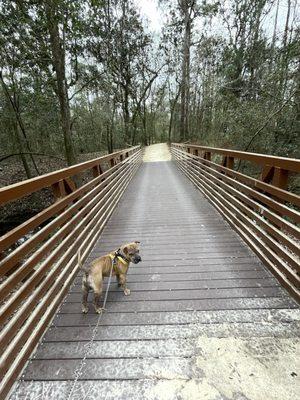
(118, 280)
(123, 285)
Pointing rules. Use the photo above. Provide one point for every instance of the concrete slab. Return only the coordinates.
(157, 152)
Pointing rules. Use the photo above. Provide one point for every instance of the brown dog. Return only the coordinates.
(94, 273)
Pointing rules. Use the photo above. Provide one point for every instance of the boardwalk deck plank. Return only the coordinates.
(197, 280)
(155, 332)
(187, 285)
(180, 318)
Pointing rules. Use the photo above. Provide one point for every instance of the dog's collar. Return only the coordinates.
(119, 254)
(120, 257)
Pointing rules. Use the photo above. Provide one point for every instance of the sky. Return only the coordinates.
(149, 9)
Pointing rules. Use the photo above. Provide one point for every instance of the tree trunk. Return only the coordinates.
(284, 57)
(109, 140)
(143, 116)
(126, 115)
(255, 40)
(21, 137)
(58, 60)
(297, 100)
(185, 73)
(19, 141)
(272, 56)
(172, 109)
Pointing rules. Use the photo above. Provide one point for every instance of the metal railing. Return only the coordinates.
(265, 215)
(37, 274)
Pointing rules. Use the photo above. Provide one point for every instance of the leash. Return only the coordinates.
(78, 371)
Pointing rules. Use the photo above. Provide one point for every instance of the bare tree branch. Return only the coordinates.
(2, 158)
(269, 119)
(82, 87)
(266, 123)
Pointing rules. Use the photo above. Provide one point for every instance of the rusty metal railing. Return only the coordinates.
(35, 276)
(264, 214)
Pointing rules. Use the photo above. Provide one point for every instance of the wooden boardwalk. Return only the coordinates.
(199, 295)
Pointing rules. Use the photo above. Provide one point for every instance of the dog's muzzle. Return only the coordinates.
(136, 259)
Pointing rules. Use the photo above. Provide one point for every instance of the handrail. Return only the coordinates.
(275, 169)
(291, 164)
(38, 273)
(265, 216)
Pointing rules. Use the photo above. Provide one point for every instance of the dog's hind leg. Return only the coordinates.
(97, 294)
(97, 298)
(85, 293)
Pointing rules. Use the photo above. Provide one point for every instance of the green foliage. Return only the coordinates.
(244, 80)
(241, 77)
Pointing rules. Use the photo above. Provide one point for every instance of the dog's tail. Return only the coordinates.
(79, 259)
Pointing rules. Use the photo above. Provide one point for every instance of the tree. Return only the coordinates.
(57, 25)
(49, 38)
(120, 44)
(187, 12)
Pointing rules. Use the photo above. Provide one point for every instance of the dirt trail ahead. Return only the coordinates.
(157, 152)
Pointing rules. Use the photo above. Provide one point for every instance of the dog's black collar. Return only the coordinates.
(119, 254)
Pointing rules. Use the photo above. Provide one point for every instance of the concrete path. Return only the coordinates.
(157, 152)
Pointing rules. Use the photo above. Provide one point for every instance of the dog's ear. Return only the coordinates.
(125, 249)
(137, 242)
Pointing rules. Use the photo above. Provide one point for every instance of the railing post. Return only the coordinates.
(96, 171)
(227, 162)
(112, 162)
(280, 178)
(230, 162)
(207, 155)
(63, 187)
(275, 176)
(59, 189)
(267, 173)
(70, 185)
(193, 161)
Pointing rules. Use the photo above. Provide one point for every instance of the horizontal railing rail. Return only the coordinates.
(265, 216)
(275, 170)
(64, 188)
(36, 274)
(61, 180)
